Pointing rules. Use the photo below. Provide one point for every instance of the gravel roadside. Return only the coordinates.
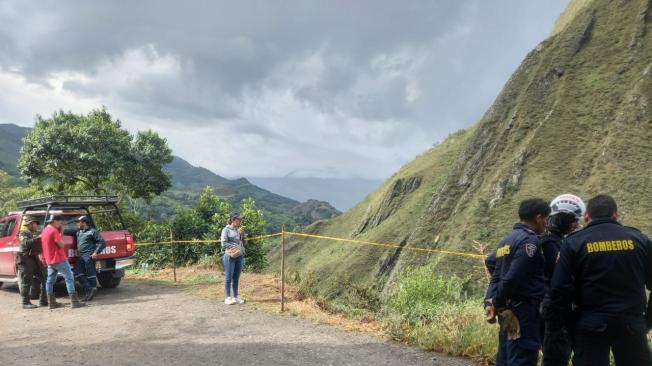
(144, 324)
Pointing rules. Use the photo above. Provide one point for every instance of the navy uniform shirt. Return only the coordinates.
(603, 269)
(518, 275)
(550, 246)
(490, 264)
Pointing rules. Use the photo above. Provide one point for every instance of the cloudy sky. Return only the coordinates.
(265, 88)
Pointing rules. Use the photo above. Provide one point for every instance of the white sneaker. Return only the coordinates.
(238, 300)
(229, 301)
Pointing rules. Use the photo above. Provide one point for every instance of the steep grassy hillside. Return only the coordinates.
(387, 215)
(574, 117)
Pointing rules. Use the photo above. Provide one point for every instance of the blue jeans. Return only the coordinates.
(85, 271)
(66, 272)
(232, 270)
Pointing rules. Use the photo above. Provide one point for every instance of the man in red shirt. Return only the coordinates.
(57, 262)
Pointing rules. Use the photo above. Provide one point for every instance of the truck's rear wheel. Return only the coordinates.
(107, 280)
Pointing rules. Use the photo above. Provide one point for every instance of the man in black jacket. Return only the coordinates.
(567, 210)
(603, 270)
(517, 287)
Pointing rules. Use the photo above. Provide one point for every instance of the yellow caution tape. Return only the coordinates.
(363, 242)
(354, 241)
(201, 241)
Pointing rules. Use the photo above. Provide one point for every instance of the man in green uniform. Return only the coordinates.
(28, 264)
(89, 245)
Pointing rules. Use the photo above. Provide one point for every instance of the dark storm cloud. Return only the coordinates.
(377, 72)
(225, 49)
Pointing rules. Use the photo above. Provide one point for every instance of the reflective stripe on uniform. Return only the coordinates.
(9, 249)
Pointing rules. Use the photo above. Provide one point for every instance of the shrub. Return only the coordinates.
(420, 293)
(430, 310)
(457, 329)
(204, 221)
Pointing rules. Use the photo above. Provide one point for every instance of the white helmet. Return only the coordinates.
(568, 203)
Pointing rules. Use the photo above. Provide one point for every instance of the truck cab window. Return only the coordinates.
(7, 227)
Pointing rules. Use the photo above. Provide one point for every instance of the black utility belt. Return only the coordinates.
(515, 303)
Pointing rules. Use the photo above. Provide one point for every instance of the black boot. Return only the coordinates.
(74, 301)
(43, 300)
(27, 304)
(52, 302)
(24, 295)
(90, 294)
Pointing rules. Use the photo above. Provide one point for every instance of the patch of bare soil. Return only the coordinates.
(262, 291)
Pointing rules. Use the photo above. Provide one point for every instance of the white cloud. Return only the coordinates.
(21, 100)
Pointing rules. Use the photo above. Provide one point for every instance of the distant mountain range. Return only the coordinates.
(187, 183)
(341, 193)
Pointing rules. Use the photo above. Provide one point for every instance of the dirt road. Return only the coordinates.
(143, 324)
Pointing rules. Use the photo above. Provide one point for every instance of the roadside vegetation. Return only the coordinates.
(202, 221)
(424, 307)
(431, 310)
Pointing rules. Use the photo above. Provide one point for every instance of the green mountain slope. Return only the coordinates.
(186, 176)
(10, 140)
(188, 181)
(574, 117)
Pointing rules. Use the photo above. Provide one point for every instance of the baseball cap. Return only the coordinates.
(84, 219)
(30, 220)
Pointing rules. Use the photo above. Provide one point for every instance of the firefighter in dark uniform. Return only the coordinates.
(517, 287)
(567, 210)
(603, 271)
(28, 264)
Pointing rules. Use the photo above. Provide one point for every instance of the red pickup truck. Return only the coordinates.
(104, 213)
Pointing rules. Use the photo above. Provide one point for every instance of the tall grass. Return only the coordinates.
(431, 311)
(424, 308)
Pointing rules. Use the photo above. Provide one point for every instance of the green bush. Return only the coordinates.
(458, 329)
(430, 310)
(420, 293)
(203, 221)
